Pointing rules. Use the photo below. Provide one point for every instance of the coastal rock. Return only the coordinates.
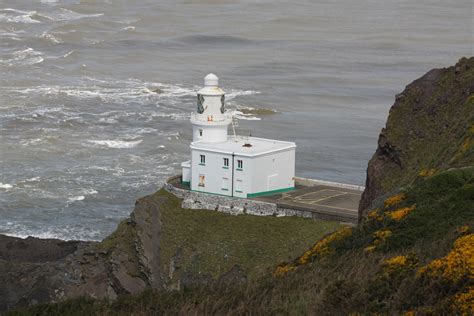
(429, 128)
(36, 270)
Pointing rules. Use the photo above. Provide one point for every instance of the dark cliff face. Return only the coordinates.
(430, 128)
(34, 270)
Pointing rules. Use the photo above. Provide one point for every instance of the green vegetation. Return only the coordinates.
(431, 127)
(210, 243)
(423, 265)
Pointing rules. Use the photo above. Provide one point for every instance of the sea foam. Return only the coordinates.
(116, 143)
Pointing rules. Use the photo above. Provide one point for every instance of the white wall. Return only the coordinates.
(280, 165)
(254, 176)
(213, 171)
(210, 133)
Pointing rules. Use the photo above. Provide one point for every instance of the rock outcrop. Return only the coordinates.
(430, 128)
(35, 270)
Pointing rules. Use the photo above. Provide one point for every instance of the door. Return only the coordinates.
(272, 182)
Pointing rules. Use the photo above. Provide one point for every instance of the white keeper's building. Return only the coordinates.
(233, 165)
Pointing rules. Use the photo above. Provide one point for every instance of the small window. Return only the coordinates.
(240, 164)
(226, 162)
(200, 132)
(203, 160)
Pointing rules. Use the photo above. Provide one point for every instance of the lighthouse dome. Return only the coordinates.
(211, 80)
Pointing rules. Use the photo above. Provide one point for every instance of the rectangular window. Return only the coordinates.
(200, 132)
(225, 184)
(240, 164)
(202, 179)
(226, 163)
(203, 160)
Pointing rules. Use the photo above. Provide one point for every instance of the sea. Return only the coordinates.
(96, 96)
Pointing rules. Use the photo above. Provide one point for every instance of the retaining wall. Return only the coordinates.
(236, 206)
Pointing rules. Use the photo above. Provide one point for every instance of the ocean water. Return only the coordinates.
(83, 134)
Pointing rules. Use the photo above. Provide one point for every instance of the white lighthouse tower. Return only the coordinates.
(234, 166)
(210, 124)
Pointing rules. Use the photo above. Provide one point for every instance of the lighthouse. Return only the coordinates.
(210, 123)
(235, 166)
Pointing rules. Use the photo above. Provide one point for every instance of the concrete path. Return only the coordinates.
(327, 202)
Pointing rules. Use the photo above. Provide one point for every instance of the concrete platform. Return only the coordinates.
(326, 201)
(311, 198)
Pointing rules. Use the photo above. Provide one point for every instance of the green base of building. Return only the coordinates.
(251, 195)
(186, 183)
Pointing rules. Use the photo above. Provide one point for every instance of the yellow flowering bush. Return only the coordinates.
(457, 264)
(283, 269)
(427, 172)
(464, 302)
(379, 237)
(393, 200)
(320, 248)
(374, 215)
(399, 263)
(400, 213)
(463, 230)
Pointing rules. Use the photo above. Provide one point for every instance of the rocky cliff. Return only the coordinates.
(430, 128)
(33, 270)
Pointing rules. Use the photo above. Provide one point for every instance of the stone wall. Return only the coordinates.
(231, 205)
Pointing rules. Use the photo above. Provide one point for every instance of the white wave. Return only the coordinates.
(89, 191)
(76, 198)
(64, 233)
(33, 179)
(5, 186)
(31, 141)
(162, 146)
(67, 15)
(17, 16)
(116, 143)
(241, 116)
(51, 38)
(232, 93)
(129, 28)
(27, 56)
(68, 54)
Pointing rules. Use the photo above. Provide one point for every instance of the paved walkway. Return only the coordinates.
(327, 201)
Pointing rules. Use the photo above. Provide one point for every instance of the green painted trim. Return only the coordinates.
(251, 195)
(239, 169)
(239, 191)
(224, 189)
(188, 183)
(210, 193)
(225, 167)
(201, 164)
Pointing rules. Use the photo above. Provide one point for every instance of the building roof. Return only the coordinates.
(245, 146)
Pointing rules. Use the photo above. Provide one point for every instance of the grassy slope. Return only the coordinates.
(211, 243)
(348, 278)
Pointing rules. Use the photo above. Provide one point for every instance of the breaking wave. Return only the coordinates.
(24, 57)
(116, 143)
(17, 16)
